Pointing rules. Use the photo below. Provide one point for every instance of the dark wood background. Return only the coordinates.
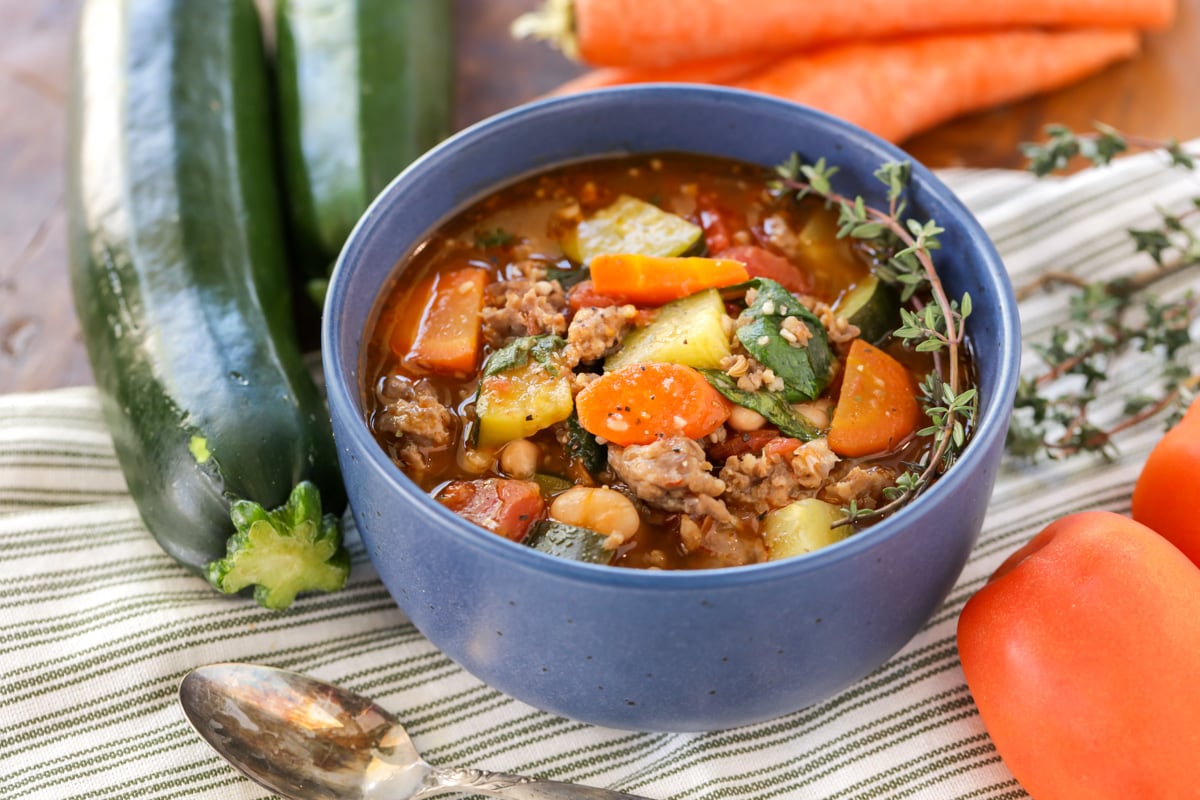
(1157, 94)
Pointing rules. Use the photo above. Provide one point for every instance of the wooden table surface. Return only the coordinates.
(1157, 94)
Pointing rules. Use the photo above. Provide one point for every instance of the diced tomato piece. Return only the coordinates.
(719, 223)
(762, 263)
(584, 295)
(782, 446)
(501, 505)
(739, 443)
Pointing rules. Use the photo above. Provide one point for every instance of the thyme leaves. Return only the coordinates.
(906, 246)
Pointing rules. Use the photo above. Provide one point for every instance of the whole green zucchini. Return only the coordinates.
(182, 293)
(365, 86)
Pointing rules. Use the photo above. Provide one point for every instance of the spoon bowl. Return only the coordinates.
(305, 739)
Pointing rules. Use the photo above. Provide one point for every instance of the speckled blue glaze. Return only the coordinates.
(646, 650)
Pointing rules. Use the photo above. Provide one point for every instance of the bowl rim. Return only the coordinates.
(342, 388)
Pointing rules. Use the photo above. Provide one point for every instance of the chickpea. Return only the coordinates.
(745, 419)
(816, 412)
(603, 510)
(520, 458)
(476, 462)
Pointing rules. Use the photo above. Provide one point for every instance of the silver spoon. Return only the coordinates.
(309, 740)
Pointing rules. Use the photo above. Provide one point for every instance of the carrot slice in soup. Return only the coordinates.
(446, 339)
(877, 407)
(640, 403)
(655, 280)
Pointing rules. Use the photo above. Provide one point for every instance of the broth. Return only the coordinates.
(496, 308)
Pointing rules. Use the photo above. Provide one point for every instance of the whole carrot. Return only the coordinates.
(719, 70)
(652, 33)
(898, 88)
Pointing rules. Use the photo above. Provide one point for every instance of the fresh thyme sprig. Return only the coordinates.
(906, 247)
(1100, 147)
(1108, 320)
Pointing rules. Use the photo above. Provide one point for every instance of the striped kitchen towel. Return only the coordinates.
(98, 625)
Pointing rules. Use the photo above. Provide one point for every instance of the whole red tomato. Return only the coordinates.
(1166, 492)
(1083, 655)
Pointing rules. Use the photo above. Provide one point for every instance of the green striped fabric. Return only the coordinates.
(98, 626)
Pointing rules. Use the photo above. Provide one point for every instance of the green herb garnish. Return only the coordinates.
(905, 246)
(1109, 319)
(494, 238)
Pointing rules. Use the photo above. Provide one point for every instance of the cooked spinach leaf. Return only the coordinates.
(567, 276)
(771, 405)
(497, 237)
(805, 369)
(517, 353)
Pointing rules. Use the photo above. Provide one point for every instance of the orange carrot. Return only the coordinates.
(911, 85)
(640, 403)
(446, 340)
(401, 318)
(656, 33)
(899, 88)
(722, 70)
(877, 405)
(654, 280)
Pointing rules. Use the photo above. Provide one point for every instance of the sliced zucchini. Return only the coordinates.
(688, 331)
(525, 388)
(873, 306)
(631, 225)
(802, 527)
(569, 541)
(551, 484)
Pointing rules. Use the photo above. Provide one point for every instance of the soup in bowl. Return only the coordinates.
(647, 422)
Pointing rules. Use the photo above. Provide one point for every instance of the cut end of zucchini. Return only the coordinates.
(282, 552)
(802, 527)
(634, 226)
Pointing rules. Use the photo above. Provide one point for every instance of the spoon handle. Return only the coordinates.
(512, 787)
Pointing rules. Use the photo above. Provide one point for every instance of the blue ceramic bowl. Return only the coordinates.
(656, 650)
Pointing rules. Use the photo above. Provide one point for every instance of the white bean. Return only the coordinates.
(520, 458)
(816, 412)
(604, 510)
(745, 419)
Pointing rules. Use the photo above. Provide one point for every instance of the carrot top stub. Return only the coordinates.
(877, 407)
(655, 280)
(640, 403)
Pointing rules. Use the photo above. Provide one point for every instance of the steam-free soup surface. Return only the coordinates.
(647, 361)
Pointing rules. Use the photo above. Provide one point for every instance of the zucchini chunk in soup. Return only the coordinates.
(650, 362)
